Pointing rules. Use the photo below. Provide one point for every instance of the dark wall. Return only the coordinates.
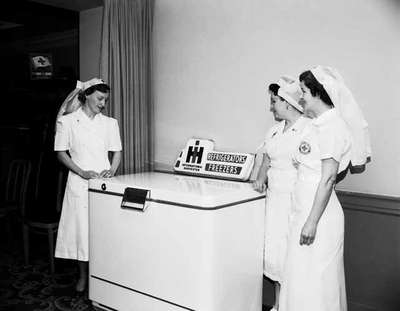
(40, 29)
(29, 106)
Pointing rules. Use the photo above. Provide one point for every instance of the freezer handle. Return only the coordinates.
(135, 199)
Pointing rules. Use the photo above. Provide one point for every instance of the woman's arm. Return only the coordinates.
(259, 184)
(115, 161)
(328, 178)
(65, 159)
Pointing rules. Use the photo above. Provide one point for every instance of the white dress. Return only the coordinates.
(314, 274)
(88, 142)
(279, 146)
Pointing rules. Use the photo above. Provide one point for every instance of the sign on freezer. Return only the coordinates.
(200, 158)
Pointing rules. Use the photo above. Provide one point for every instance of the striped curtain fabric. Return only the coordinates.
(126, 64)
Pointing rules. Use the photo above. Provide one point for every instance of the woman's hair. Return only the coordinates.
(315, 87)
(273, 88)
(103, 88)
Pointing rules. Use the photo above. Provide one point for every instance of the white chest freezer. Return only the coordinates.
(196, 245)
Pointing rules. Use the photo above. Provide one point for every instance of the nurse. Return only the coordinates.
(335, 141)
(84, 137)
(277, 170)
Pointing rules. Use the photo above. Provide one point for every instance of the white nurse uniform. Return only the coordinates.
(279, 146)
(314, 274)
(88, 142)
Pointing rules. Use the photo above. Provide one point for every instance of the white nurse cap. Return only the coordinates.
(289, 90)
(72, 103)
(350, 111)
(85, 85)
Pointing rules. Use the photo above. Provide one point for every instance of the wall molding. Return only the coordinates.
(370, 203)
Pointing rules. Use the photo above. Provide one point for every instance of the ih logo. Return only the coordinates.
(195, 153)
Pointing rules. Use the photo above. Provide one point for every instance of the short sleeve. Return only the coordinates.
(62, 139)
(114, 140)
(261, 148)
(332, 143)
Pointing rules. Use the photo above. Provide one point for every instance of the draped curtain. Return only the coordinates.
(126, 65)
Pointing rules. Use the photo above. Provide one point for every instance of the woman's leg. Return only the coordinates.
(83, 276)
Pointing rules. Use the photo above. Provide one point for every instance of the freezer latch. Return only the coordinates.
(135, 199)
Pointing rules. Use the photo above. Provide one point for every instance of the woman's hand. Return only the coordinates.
(308, 233)
(329, 171)
(89, 174)
(106, 174)
(259, 186)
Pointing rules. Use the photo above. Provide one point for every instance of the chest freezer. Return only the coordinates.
(166, 242)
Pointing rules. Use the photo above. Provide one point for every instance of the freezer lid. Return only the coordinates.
(180, 190)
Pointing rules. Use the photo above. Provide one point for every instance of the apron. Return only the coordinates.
(89, 150)
(314, 274)
(279, 147)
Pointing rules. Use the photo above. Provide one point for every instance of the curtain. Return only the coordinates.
(126, 65)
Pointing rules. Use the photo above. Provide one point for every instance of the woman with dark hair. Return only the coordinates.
(84, 137)
(278, 172)
(314, 271)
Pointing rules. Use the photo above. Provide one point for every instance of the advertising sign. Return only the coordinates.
(41, 66)
(200, 158)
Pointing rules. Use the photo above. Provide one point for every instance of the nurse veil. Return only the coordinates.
(72, 103)
(350, 111)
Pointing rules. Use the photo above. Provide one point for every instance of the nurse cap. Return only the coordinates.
(289, 90)
(343, 100)
(72, 103)
(85, 85)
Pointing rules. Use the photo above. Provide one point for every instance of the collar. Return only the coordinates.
(82, 114)
(325, 117)
(298, 125)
